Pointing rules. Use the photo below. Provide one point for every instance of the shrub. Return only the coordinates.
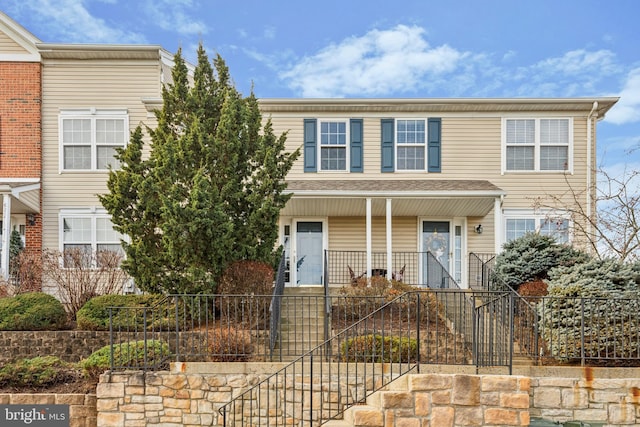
(365, 296)
(250, 278)
(31, 312)
(530, 257)
(37, 372)
(247, 278)
(94, 315)
(80, 275)
(129, 354)
(597, 300)
(229, 344)
(377, 348)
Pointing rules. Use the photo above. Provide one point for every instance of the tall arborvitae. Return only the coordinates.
(211, 190)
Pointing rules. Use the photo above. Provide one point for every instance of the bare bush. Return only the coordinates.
(79, 275)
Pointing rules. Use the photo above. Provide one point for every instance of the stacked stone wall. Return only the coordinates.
(82, 408)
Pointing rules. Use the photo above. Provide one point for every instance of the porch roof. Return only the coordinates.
(410, 197)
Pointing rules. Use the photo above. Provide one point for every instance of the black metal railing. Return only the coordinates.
(391, 341)
(480, 267)
(276, 305)
(414, 268)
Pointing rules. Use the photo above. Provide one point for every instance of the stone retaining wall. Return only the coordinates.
(70, 346)
(191, 396)
(82, 408)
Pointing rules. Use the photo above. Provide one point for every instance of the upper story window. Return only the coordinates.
(337, 143)
(411, 145)
(91, 233)
(89, 138)
(333, 145)
(538, 144)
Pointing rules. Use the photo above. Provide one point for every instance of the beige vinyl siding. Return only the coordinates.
(8, 45)
(75, 84)
(349, 234)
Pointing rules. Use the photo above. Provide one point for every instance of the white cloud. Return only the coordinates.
(378, 63)
(627, 110)
(70, 21)
(173, 15)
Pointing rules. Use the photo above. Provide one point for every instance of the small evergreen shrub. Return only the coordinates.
(377, 348)
(128, 354)
(229, 344)
(599, 300)
(37, 372)
(94, 314)
(530, 257)
(32, 312)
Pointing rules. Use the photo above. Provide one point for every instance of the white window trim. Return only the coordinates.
(93, 213)
(89, 113)
(347, 145)
(536, 154)
(424, 145)
(539, 216)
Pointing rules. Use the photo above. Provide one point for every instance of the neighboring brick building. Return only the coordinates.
(20, 137)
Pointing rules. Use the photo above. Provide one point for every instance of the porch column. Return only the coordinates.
(389, 242)
(368, 232)
(6, 235)
(498, 225)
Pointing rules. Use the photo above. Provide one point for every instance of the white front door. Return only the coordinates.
(307, 259)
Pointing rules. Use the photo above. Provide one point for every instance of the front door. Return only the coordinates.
(308, 253)
(436, 249)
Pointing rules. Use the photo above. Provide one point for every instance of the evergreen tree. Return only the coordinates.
(211, 190)
(15, 249)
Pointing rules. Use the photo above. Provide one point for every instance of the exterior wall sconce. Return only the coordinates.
(478, 228)
(31, 219)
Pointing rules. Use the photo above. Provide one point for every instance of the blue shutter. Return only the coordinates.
(356, 145)
(310, 152)
(387, 149)
(434, 145)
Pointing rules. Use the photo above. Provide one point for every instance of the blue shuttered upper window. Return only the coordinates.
(333, 145)
(411, 145)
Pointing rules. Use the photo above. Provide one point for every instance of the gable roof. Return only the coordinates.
(21, 37)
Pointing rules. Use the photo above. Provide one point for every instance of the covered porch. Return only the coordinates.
(336, 230)
(20, 208)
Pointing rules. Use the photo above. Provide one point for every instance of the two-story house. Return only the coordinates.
(390, 186)
(20, 138)
(401, 188)
(64, 109)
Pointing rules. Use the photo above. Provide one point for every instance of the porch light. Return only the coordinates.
(478, 228)
(31, 219)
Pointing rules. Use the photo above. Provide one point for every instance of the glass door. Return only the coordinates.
(308, 256)
(436, 247)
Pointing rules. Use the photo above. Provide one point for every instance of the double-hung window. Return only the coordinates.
(333, 145)
(89, 138)
(410, 145)
(89, 232)
(537, 144)
(550, 224)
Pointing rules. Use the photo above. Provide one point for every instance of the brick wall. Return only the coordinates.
(21, 130)
(20, 120)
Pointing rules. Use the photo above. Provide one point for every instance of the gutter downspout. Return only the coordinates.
(590, 170)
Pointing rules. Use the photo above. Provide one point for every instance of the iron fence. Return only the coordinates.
(392, 340)
(480, 267)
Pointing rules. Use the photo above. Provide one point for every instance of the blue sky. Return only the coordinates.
(375, 48)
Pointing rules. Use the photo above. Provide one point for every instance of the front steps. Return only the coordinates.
(302, 319)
